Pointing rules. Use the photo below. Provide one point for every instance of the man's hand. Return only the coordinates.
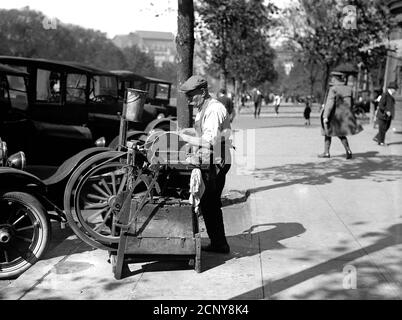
(388, 113)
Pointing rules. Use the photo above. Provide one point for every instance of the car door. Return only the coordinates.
(59, 117)
(14, 125)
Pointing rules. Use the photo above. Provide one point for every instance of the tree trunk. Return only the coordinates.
(185, 52)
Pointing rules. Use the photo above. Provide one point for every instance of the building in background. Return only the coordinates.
(161, 44)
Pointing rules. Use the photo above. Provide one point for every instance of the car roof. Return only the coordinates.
(11, 71)
(128, 75)
(48, 63)
(151, 79)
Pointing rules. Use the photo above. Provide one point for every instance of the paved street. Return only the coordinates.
(310, 229)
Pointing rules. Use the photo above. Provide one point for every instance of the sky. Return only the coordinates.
(111, 16)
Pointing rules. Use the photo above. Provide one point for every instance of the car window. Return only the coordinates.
(151, 90)
(103, 87)
(48, 86)
(162, 91)
(76, 85)
(20, 68)
(18, 92)
(139, 85)
(3, 90)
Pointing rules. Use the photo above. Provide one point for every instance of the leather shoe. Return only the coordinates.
(324, 155)
(382, 144)
(224, 248)
(348, 155)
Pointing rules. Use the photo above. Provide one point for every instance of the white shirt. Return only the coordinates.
(216, 120)
(277, 100)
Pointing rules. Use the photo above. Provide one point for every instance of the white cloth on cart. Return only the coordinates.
(197, 188)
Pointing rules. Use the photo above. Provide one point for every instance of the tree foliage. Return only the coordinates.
(23, 34)
(235, 36)
(317, 29)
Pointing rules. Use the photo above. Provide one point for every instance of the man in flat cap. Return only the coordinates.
(212, 125)
(385, 112)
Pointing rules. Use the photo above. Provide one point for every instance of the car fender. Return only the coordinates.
(132, 134)
(18, 180)
(69, 165)
(157, 123)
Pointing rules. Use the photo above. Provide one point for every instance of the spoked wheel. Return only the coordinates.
(91, 194)
(24, 233)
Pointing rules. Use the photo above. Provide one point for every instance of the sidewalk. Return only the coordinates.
(310, 229)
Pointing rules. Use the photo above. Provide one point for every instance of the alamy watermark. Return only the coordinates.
(49, 23)
(349, 277)
(349, 21)
(237, 148)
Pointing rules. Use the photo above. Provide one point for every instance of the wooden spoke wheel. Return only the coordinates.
(24, 233)
(91, 194)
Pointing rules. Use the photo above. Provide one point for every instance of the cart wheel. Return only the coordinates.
(24, 233)
(91, 193)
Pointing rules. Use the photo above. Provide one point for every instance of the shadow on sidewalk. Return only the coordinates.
(246, 244)
(252, 242)
(69, 245)
(369, 165)
(389, 269)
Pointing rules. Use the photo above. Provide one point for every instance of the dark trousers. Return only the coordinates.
(277, 108)
(383, 126)
(211, 205)
(257, 109)
(344, 142)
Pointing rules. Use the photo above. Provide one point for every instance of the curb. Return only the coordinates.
(234, 196)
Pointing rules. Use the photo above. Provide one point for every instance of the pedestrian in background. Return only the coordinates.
(385, 113)
(337, 118)
(277, 103)
(307, 111)
(227, 102)
(257, 98)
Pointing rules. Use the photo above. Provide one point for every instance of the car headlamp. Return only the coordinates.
(17, 160)
(101, 142)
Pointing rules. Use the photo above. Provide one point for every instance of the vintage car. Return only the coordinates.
(29, 201)
(55, 109)
(157, 102)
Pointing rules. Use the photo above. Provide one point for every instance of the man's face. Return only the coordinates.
(196, 97)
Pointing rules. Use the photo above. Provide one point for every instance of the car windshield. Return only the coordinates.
(18, 93)
(102, 86)
(162, 91)
(76, 85)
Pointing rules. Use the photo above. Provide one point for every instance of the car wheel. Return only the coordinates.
(24, 233)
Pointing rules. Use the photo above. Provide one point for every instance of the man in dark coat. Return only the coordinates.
(257, 98)
(337, 118)
(385, 113)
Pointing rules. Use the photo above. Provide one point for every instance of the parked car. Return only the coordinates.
(56, 109)
(28, 202)
(157, 102)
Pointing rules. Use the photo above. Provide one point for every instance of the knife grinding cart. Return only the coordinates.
(134, 202)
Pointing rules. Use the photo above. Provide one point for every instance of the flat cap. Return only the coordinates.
(192, 83)
(392, 85)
